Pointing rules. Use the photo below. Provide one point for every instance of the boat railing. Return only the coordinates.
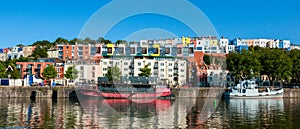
(124, 89)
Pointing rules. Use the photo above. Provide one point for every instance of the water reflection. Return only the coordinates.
(253, 113)
(234, 113)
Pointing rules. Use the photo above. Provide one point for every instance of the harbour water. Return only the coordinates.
(94, 113)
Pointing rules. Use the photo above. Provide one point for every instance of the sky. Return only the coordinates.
(27, 21)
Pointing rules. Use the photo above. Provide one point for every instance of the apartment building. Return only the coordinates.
(53, 53)
(15, 53)
(88, 70)
(3, 54)
(167, 70)
(36, 67)
(28, 50)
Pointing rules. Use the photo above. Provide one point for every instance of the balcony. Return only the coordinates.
(131, 66)
(175, 71)
(176, 66)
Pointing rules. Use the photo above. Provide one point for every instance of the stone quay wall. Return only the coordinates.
(65, 92)
(37, 92)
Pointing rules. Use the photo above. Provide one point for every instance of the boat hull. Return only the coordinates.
(273, 94)
(116, 95)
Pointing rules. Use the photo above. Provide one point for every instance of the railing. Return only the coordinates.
(129, 89)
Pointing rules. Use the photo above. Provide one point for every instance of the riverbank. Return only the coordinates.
(67, 92)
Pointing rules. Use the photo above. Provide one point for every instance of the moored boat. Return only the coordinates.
(248, 89)
(128, 91)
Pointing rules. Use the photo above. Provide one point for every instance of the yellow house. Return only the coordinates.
(156, 50)
(110, 49)
(213, 42)
(185, 41)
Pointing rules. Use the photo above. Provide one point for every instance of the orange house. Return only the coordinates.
(37, 67)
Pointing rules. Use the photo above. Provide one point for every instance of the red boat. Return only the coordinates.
(125, 92)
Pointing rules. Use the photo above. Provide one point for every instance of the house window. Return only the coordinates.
(170, 64)
(182, 64)
(81, 68)
(104, 69)
(125, 63)
(139, 63)
(162, 64)
(93, 68)
(93, 74)
(170, 70)
(104, 63)
(170, 75)
(179, 50)
(162, 70)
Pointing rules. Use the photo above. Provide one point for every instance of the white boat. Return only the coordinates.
(248, 89)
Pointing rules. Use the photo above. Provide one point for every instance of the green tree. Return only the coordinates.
(2, 70)
(206, 59)
(14, 73)
(49, 72)
(39, 52)
(145, 72)
(244, 65)
(71, 73)
(102, 40)
(275, 63)
(114, 74)
(294, 55)
(43, 44)
(60, 40)
(20, 45)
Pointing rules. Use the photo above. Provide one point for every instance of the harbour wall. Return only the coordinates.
(213, 92)
(67, 92)
(36, 92)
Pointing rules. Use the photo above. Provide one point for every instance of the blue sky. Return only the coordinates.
(32, 20)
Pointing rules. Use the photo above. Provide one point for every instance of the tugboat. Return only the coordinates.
(249, 89)
(139, 88)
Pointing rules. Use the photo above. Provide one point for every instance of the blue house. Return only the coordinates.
(241, 47)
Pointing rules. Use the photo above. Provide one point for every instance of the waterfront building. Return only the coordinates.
(36, 67)
(241, 48)
(284, 43)
(77, 52)
(53, 53)
(166, 69)
(66, 51)
(15, 53)
(230, 48)
(28, 50)
(295, 47)
(185, 41)
(273, 44)
(88, 70)
(98, 54)
(264, 43)
(3, 54)
(84, 52)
